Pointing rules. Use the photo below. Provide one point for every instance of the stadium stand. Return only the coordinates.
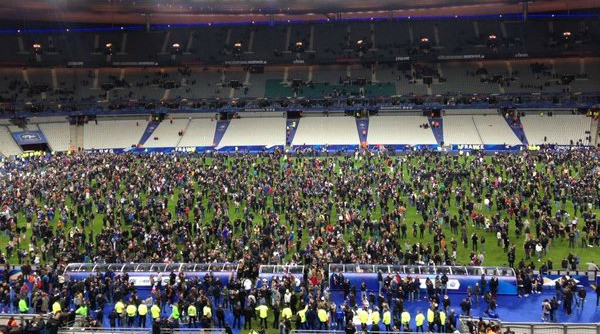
(200, 132)
(168, 133)
(557, 129)
(390, 130)
(243, 148)
(57, 134)
(259, 131)
(493, 129)
(8, 146)
(461, 130)
(116, 133)
(319, 131)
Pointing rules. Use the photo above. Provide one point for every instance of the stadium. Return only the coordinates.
(301, 166)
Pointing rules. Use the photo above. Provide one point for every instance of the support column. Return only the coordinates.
(525, 10)
(147, 21)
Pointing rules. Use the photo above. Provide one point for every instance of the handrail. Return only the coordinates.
(127, 330)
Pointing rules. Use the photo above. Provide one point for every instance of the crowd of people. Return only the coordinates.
(422, 208)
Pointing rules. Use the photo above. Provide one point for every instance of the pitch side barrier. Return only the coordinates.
(268, 273)
(140, 273)
(465, 323)
(333, 331)
(550, 328)
(341, 149)
(459, 277)
(105, 330)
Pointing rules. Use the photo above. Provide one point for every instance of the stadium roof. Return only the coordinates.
(191, 11)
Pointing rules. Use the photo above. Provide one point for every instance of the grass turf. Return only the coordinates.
(494, 255)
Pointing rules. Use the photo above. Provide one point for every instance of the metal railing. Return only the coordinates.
(21, 317)
(192, 330)
(420, 270)
(151, 267)
(104, 330)
(550, 328)
(334, 331)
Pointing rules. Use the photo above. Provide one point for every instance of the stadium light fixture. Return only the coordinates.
(37, 48)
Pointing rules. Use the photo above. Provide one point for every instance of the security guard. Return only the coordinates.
(375, 319)
(363, 317)
(56, 307)
(23, 308)
(387, 318)
(142, 312)
(430, 319)
(263, 312)
(323, 318)
(286, 313)
(193, 314)
(120, 307)
(405, 319)
(155, 311)
(420, 319)
(207, 316)
(442, 324)
(302, 317)
(131, 312)
(82, 310)
(175, 313)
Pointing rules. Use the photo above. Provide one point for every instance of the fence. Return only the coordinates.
(548, 328)
(516, 328)
(103, 330)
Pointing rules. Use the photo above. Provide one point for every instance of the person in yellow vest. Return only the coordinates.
(375, 319)
(263, 312)
(419, 320)
(286, 313)
(363, 317)
(323, 318)
(301, 321)
(142, 312)
(430, 319)
(155, 312)
(82, 310)
(193, 314)
(442, 324)
(131, 312)
(23, 307)
(56, 307)
(120, 308)
(387, 318)
(207, 316)
(175, 314)
(405, 319)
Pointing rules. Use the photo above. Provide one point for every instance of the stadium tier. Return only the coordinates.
(268, 131)
(321, 167)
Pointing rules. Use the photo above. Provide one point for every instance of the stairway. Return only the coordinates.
(517, 127)
(76, 136)
(438, 132)
(595, 132)
(184, 132)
